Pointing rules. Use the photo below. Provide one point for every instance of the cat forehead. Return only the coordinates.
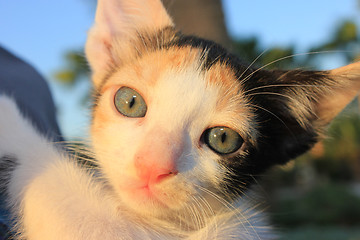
(175, 48)
(169, 49)
(176, 79)
(150, 66)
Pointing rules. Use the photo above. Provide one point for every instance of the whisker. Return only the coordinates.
(281, 59)
(243, 220)
(285, 85)
(252, 63)
(201, 214)
(195, 215)
(278, 94)
(277, 117)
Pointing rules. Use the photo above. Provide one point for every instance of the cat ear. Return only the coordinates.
(298, 105)
(116, 23)
(347, 87)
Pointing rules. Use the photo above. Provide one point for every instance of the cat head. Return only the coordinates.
(179, 120)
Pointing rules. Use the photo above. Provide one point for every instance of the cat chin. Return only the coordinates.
(148, 206)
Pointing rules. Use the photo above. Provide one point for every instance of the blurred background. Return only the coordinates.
(315, 197)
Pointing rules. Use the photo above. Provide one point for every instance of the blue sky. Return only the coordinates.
(40, 31)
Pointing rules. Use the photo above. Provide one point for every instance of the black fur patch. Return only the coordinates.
(287, 122)
(7, 166)
(212, 52)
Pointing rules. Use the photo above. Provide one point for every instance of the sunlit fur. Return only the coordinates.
(202, 101)
(53, 197)
(189, 85)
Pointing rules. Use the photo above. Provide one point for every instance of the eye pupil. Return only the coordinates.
(223, 137)
(132, 102)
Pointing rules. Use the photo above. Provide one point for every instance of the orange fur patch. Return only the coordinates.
(223, 77)
(147, 69)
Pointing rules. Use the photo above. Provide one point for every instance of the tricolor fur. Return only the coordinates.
(158, 177)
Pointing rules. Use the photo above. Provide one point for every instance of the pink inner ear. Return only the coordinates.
(121, 19)
(128, 16)
(110, 17)
(336, 100)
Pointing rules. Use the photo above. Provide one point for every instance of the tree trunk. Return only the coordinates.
(204, 18)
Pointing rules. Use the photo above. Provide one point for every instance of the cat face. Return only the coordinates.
(180, 122)
(160, 147)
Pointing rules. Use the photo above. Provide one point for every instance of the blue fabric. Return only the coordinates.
(31, 92)
(23, 83)
(4, 232)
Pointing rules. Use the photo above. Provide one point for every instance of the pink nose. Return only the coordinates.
(156, 158)
(152, 168)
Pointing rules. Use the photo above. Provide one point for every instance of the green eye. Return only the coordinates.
(222, 140)
(130, 103)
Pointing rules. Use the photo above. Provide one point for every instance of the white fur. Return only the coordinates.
(54, 198)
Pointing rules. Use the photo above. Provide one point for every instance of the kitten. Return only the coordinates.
(180, 128)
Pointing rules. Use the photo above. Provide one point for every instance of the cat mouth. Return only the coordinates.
(146, 194)
(153, 197)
